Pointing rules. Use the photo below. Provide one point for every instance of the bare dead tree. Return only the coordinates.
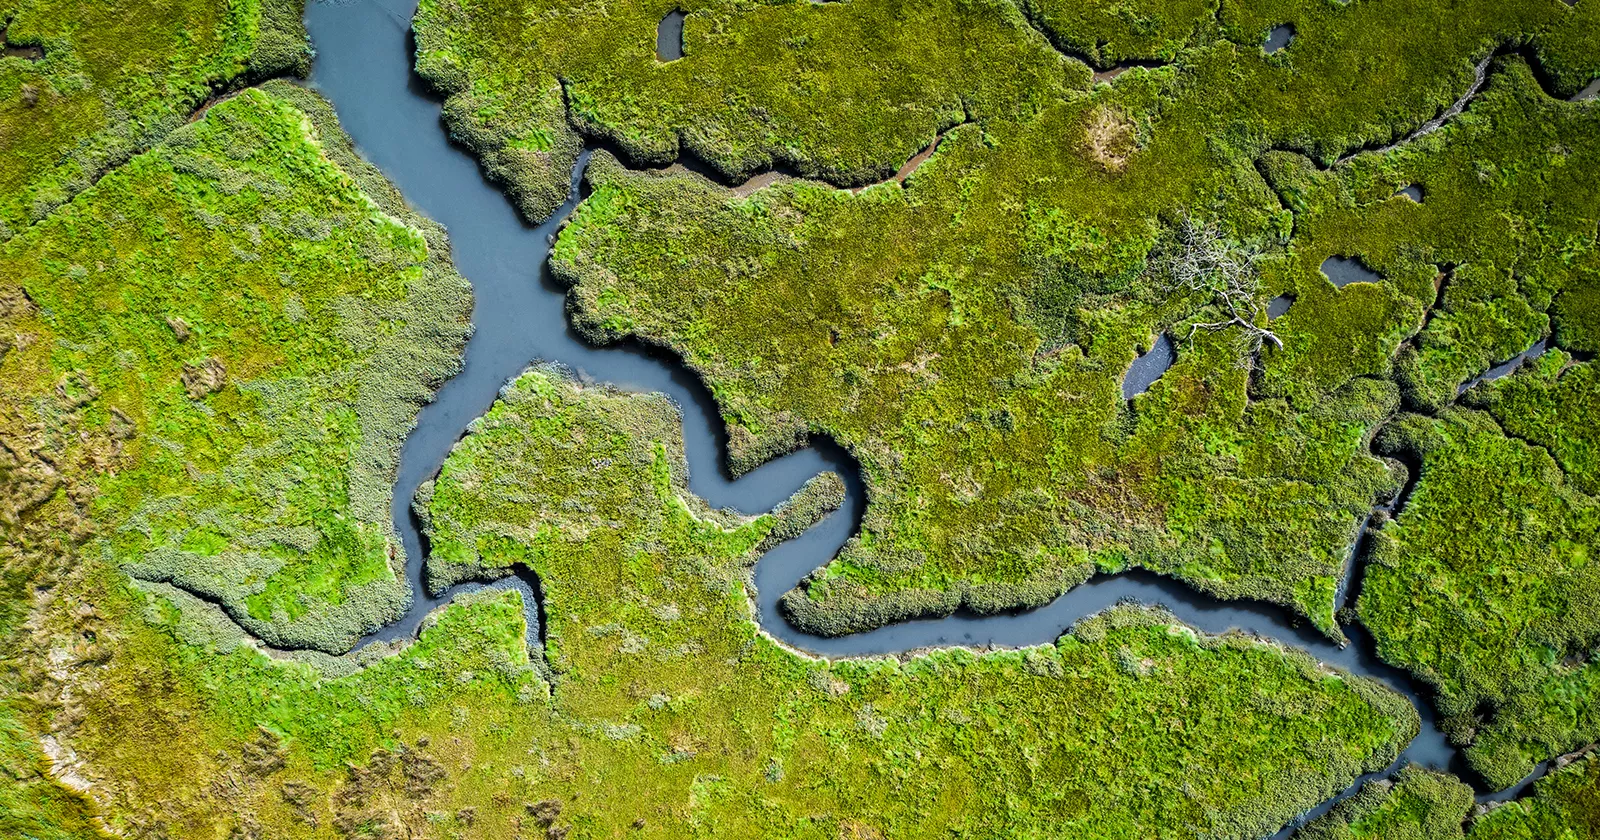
(1206, 264)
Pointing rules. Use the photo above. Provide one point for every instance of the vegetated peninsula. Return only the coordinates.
(1432, 806)
(1292, 302)
(238, 367)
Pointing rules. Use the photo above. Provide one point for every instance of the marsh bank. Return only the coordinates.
(364, 67)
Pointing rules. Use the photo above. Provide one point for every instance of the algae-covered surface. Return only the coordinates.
(949, 237)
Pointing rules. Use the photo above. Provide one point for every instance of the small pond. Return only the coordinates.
(1146, 369)
(669, 37)
(1343, 271)
(1279, 38)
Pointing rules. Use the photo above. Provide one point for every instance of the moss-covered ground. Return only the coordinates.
(1485, 585)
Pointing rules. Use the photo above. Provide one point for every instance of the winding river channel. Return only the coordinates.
(363, 66)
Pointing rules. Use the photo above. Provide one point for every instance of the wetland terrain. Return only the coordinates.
(974, 418)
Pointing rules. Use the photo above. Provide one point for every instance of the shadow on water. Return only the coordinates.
(364, 68)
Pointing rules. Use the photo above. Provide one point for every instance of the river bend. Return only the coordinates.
(364, 67)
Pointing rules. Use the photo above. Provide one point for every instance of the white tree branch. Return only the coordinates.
(1227, 276)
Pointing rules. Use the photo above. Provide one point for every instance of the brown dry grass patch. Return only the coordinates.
(1111, 138)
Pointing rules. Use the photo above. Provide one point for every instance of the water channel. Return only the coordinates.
(364, 67)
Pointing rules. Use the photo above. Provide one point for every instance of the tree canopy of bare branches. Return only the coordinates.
(1206, 264)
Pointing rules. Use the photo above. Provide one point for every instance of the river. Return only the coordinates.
(364, 67)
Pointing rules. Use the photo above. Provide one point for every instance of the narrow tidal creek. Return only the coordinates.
(364, 67)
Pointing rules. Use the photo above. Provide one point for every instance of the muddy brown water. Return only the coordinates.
(364, 67)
